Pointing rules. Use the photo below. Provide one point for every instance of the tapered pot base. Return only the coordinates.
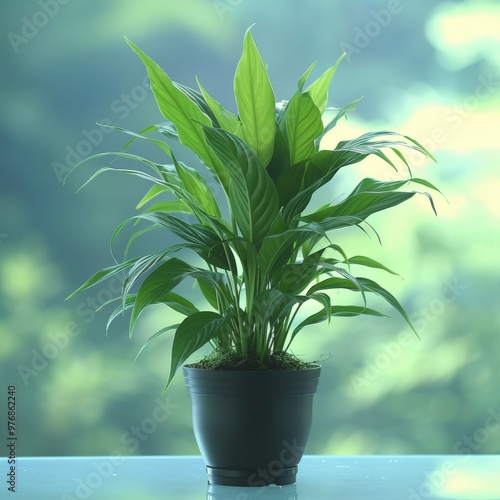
(256, 477)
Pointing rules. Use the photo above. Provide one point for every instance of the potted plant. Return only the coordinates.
(265, 254)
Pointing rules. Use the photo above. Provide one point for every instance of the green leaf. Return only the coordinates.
(370, 196)
(293, 278)
(342, 311)
(225, 118)
(272, 305)
(103, 274)
(305, 76)
(369, 262)
(280, 162)
(254, 199)
(291, 182)
(348, 108)
(368, 286)
(320, 170)
(192, 334)
(210, 292)
(162, 280)
(169, 207)
(155, 336)
(214, 288)
(142, 266)
(318, 90)
(197, 186)
(163, 146)
(198, 98)
(152, 193)
(255, 100)
(303, 126)
(200, 238)
(170, 299)
(181, 110)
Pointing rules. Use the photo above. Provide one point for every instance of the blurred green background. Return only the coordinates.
(427, 69)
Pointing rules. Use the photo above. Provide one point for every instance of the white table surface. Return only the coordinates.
(319, 478)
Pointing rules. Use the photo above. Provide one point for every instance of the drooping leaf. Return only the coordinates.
(160, 281)
(361, 205)
(255, 100)
(340, 113)
(139, 269)
(320, 170)
(342, 311)
(104, 274)
(369, 196)
(152, 193)
(192, 334)
(368, 286)
(369, 262)
(199, 237)
(153, 337)
(197, 186)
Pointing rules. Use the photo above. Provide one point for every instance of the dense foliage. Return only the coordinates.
(271, 254)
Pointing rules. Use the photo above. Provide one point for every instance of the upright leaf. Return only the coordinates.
(318, 90)
(255, 100)
(182, 111)
(225, 118)
(303, 126)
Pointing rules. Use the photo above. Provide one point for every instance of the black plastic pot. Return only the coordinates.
(251, 426)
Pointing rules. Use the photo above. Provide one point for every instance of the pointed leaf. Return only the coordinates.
(342, 311)
(153, 337)
(318, 90)
(369, 262)
(303, 126)
(162, 280)
(226, 119)
(196, 185)
(255, 100)
(181, 110)
(192, 334)
(368, 286)
(103, 274)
